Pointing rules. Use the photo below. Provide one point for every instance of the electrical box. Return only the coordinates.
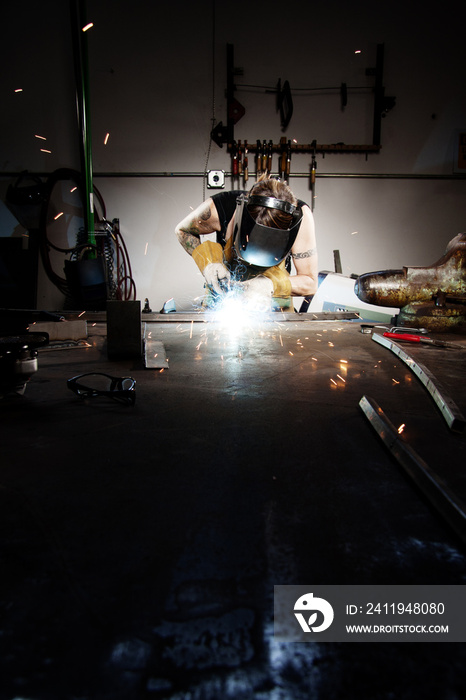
(216, 179)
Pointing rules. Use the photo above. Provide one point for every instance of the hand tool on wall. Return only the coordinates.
(264, 156)
(269, 157)
(282, 162)
(234, 160)
(258, 158)
(411, 338)
(245, 163)
(288, 161)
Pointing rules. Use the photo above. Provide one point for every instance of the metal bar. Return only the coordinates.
(449, 410)
(276, 316)
(379, 95)
(433, 487)
(356, 176)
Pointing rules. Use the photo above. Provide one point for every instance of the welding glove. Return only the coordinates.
(209, 258)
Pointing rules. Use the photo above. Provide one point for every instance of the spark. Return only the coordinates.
(107, 136)
(281, 339)
(395, 381)
(161, 370)
(88, 26)
(19, 90)
(353, 233)
(73, 189)
(358, 51)
(314, 358)
(81, 314)
(233, 314)
(331, 344)
(333, 381)
(58, 216)
(344, 362)
(45, 150)
(191, 330)
(340, 377)
(40, 137)
(145, 249)
(290, 353)
(401, 428)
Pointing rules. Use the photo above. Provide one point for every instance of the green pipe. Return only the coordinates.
(79, 20)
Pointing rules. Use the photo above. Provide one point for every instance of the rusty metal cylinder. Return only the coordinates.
(385, 288)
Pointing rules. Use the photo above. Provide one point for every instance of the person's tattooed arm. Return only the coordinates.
(197, 223)
(305, 254)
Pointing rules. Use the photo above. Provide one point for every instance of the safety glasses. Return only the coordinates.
(94, 384)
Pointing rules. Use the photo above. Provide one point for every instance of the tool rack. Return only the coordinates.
(221, 134)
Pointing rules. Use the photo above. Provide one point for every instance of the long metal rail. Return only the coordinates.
(433, 487)
(449, 410)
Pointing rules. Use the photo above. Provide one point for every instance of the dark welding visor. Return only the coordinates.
(259, 245)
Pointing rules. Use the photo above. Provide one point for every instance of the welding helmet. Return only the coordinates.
(260, 245)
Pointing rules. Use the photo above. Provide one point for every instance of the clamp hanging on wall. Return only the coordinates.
(284, 103)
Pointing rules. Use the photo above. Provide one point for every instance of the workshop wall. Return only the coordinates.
(157, 85)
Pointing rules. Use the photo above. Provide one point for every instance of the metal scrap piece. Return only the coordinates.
(438, 493)
(155, 356)
(449, 410)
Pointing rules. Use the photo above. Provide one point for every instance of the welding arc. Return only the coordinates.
(433, 487)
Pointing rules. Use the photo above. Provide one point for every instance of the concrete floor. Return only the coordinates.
(140, 545)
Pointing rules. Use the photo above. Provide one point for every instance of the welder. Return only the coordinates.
(256, 234)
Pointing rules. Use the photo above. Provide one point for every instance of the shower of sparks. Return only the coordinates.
(233, 315)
